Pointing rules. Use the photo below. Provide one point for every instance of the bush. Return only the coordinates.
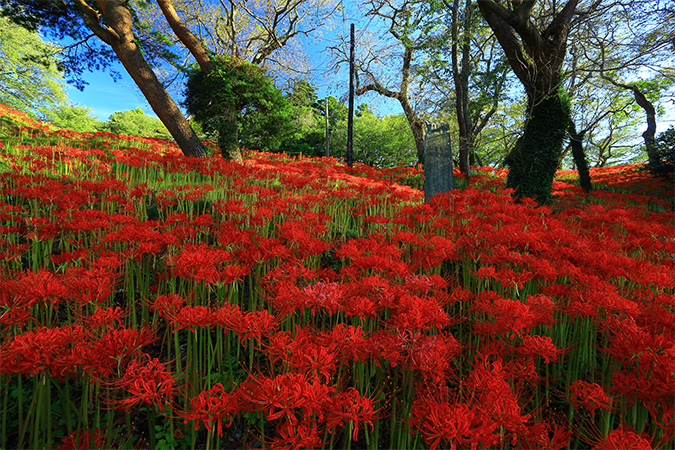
(665, 151)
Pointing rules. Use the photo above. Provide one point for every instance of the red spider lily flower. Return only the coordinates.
(494, 394)
(509, 278)
(84, 441)
(312, 359)
(360, 306)
(418, 313)
(198, 262)
(350, 406)
(193, 316)
(229, 316)
(286, 395)
(451, 423)
(540, 435)
(39, 287)
(624, 438)
(255, 325)
(90, 285)
(327, 295)
(212, 406)
(42, 349)
(509, 315)
(148, 382)
(348, 339)
(113, 349)
(486, 272)
(293, 436)
(168, 305)
(105, 317)
(541, 346)
(589, 395)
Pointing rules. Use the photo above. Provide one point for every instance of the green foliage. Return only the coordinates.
(238, 103)
(30, 79)
(76, 118)
(665, 150)
(536, 156)
(134, 122)
(378, 141)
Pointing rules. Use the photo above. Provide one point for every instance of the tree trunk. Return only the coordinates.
(228, 144)
(576, 142)
(461, 78)
(118, 18)
(537, 61)
(650, 111)
(534, 161)
(419, 133)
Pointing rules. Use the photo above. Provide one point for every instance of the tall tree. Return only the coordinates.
(374, 61)
(462, 57)
(267, 33)
(536, 59)
(112, 21)
(628, 42)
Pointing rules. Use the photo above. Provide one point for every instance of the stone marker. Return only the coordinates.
(438, 176)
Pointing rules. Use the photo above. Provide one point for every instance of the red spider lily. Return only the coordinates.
(325, 295)
(148, 382)
(510, 316)
(42, 349)
(82, 440)
(90, 286)
(199, 262)
(303, 354)
(624, 438)
(350, 406)
(285, 396)
(113, 349)
(350, 341)
(191, 317)
(213, 405)
(541, 435)
(419, 313)
(589, 395)
(495, 396)
(255, 325)
(293, 436)
(451, 423)
(105, 317)
(541, 346)
(39, 287)
(229, 316)
(168, 305)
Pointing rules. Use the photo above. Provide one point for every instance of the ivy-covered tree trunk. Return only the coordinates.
(228, 138)
(536, 59)
(534, 160)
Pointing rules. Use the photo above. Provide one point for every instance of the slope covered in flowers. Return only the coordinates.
(152, 300)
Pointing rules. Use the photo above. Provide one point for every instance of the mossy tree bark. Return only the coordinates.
(536, 59)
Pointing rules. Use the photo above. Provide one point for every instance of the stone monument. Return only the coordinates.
(438, 176)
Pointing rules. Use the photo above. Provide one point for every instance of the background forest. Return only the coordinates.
(433, 60)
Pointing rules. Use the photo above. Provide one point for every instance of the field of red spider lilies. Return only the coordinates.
(148, 300)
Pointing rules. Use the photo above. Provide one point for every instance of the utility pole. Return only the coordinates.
(326, 106)
(350, 118)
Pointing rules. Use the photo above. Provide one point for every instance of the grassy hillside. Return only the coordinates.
(148, 300)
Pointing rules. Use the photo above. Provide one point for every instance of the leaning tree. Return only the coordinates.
(112, 22)
(536, 58)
